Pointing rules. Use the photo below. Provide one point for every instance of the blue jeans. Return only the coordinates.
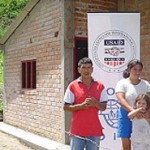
(89, 143)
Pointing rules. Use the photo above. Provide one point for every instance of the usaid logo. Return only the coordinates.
(112, 50)
(114, 42)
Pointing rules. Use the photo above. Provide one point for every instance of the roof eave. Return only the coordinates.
(18, 21)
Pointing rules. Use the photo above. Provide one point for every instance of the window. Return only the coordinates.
(29, 74)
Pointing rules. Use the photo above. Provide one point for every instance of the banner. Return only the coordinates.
(113, 40)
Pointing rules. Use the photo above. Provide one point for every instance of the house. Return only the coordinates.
(41, 50)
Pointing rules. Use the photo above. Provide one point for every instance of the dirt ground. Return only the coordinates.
(8, 142)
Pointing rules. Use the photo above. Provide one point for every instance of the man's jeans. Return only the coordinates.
(89, 143)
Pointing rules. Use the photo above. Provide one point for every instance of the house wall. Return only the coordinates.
(144, 8)
(38, 37)
(47, 35)
(84, 6)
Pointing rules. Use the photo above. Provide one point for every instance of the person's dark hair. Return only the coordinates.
(130, 65)
(143, 97)
(84, 60)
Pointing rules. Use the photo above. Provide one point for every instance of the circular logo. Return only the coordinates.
(111, 114)
(112, 50)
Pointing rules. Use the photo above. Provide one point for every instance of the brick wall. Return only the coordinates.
(84, 6)
(38, 37)
(144, 8)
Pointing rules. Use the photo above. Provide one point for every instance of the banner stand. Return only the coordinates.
(113, 40)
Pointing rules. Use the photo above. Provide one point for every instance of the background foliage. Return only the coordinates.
(9, 9)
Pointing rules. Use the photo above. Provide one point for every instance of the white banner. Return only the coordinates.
(113, 40)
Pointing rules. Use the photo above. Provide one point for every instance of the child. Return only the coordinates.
(140, 137)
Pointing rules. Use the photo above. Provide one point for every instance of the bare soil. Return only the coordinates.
(8, 142)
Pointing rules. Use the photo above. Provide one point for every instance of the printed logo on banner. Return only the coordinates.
(111, 114)
(112, 50)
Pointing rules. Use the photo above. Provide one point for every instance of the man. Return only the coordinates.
(84, 97)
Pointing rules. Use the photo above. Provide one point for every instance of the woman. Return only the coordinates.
(126, 92)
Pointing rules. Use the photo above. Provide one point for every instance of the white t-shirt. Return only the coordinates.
(132, 91)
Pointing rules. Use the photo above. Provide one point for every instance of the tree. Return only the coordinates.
(9, 9)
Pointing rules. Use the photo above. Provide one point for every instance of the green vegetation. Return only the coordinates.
(9, 10)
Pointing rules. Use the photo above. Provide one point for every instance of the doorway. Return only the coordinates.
(80, 51)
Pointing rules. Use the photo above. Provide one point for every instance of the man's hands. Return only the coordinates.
(88, 103)
(91, 102)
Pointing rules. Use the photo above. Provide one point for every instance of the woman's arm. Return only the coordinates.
(123, 102)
